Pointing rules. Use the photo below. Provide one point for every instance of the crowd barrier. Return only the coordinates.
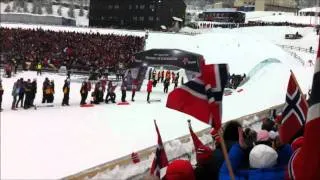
(145, 153)
(307, 50)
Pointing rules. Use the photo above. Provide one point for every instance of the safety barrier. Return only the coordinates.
(145, 153)
(311, 51)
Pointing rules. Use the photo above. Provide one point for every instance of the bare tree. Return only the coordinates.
(8, 8)
(59, 11)
(81, 12)
(48, 6)
(71, 9)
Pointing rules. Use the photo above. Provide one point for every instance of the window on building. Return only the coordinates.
(158, 19)
(137, 6)
(141, 18)
(130, 6)
(150, 18)
(110, 17)
(142, 6)
(151, 6)
(116, 6)
(134, 18)
(110, 6)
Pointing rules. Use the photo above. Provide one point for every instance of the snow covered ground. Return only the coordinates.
(55, 142)
(270, 16)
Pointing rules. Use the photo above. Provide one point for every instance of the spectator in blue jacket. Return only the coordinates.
(265, 162)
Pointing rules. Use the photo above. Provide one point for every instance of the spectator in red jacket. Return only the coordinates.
(149, 90)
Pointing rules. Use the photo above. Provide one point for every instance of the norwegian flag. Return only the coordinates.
(201, 97)
(305, 162)
(203, 153)
(294, 113)
(160, 162)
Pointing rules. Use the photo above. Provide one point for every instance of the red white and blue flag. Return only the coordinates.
(294, 113)
(201, 97)
(160, 161)
(203, 153)
(305, 162)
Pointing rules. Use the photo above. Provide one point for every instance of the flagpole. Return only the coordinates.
(226, 156)
(295, 80)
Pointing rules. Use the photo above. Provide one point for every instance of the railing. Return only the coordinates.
(301, 49)
(145, 153)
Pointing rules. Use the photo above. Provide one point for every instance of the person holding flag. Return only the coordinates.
(201, 98)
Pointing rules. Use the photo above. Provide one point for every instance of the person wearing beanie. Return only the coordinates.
(263, 162)
(262, 156)
(230, 135)
(268, 125)
(205, 164)
(263, 138)
(179, 170)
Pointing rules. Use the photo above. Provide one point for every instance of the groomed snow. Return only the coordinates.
(51, 143)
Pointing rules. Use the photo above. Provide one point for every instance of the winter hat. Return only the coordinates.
(204, 154)
(262, 156)
(273, 135)
(267, 124)
(263, 135)
(180, 170)
(297, 143)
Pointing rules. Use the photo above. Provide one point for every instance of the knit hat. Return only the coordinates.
(180, 170)
(263, 135)
(273, 135)
(297, 143)
(262, 156)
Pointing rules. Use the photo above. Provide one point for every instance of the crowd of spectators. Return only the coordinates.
(248, 24)
(235, 80)
(80, 51)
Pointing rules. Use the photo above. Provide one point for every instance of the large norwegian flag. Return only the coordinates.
(294, 112)
(305, 162)
(160, 161)
(203, 153)
(201, 97)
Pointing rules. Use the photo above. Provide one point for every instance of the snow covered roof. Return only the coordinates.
(177, 19)
(221, 10)
(311, 9)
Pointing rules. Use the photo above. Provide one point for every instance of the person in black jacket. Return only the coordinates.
(33, 91)
(166, 84)
(27, 89)
(66, 92)
(211, 169)
(45, 86)
(21, 85)
(84, 93)
(1, 93)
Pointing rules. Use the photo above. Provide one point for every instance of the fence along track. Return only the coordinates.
(145, 153)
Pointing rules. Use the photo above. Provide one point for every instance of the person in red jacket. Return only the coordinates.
(149, 90)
